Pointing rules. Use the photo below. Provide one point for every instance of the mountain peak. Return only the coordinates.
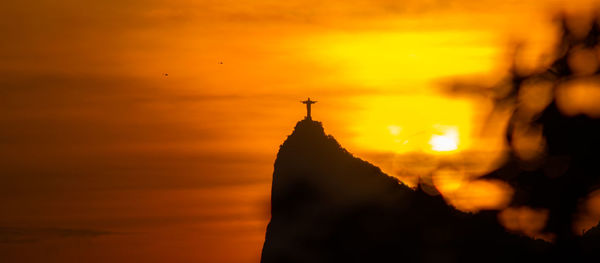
(309, 126)
(307, 131)
(311, 157)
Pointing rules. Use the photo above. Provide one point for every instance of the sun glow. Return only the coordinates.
(413, 123)
(446, 142)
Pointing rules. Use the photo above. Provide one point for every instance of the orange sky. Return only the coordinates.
(178, 168)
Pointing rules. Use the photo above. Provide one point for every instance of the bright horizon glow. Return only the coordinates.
(388, 59)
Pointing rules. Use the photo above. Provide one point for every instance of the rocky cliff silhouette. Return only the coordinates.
(329, 206)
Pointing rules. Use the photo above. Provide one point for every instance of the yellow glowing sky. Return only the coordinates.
(95, 136)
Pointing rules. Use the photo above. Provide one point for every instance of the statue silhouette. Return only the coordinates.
(308, 103)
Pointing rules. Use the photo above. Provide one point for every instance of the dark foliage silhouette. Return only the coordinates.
(566, 171)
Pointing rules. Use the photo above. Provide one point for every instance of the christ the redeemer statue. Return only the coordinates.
(308, 103)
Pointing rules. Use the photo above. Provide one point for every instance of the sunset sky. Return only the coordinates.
(125, 139)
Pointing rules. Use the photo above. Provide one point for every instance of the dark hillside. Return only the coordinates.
(329, 206)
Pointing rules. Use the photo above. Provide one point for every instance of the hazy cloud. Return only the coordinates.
(28, 235)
